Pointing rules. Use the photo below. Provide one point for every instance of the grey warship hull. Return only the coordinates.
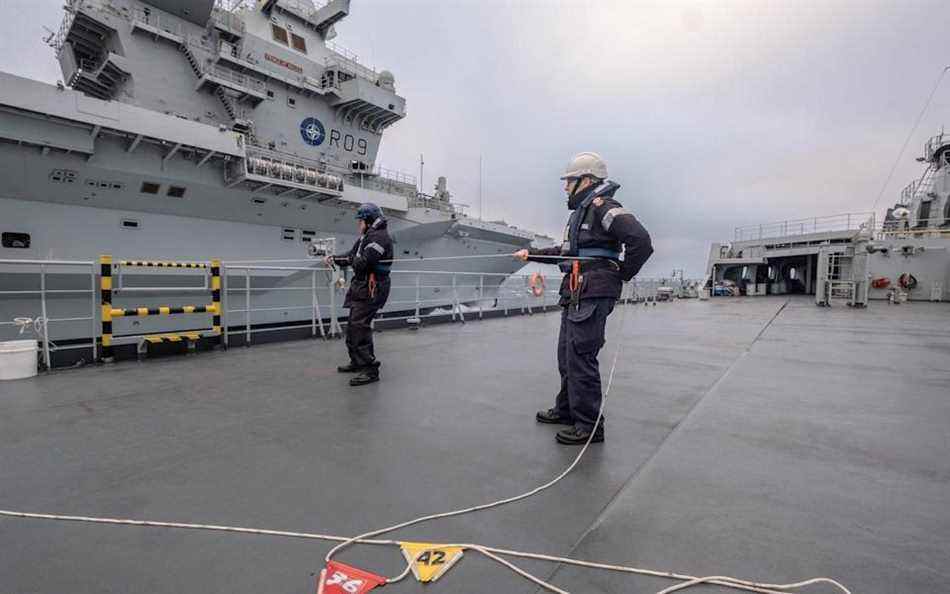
(192, 132)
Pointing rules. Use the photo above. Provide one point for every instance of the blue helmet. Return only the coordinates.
(369, 212)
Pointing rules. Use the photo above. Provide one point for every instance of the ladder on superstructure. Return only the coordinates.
(834, 286)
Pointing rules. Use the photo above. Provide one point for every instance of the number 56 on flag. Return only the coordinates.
(339, 578)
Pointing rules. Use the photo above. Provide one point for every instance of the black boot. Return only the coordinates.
(368, 376)
(552, 417)
(354, 368)
(576, 436)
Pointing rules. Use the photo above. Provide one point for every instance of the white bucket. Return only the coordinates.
(17, 359)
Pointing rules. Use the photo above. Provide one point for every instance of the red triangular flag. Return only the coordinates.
(340, 578)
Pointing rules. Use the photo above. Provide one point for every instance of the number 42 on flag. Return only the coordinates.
(430, 561)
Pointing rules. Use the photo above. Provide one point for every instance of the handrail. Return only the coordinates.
(418, 294)
(236, 77)
(228, 19)
(59, 40)
(791, 227)
(157, 20)
(349, 62)
(47, 344)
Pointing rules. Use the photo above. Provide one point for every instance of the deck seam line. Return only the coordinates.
(676, 429)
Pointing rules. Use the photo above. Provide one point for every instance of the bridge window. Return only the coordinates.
(280, 34)
(299, 43)
(176, 192)
(130, 224)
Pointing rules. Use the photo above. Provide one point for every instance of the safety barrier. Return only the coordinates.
(249, 301)
(109, 313)
(15, 302)
(417, 296)
(164, 264)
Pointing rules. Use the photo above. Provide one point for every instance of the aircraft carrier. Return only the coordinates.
(192, 130)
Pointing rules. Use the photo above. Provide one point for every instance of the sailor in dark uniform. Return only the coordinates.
(612, 246)
(370, 259)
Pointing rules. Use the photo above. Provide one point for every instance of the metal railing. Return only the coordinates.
(916, 188)
(228, 19)
(934, 144)
(347, 61)
(261, 297)
(932, 227)
(386, 180)
(42, 269)
(157, 20)
(793, 227)
(420, 295)
(416, 296)
(237, 78)
(71, 7)
(304, 8)
(426, 201)
(394, 175)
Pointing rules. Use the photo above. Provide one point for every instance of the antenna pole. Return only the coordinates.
(421, 165)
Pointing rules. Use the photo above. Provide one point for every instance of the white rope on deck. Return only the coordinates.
(734, 583)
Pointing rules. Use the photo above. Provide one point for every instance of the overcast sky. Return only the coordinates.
(711, 114)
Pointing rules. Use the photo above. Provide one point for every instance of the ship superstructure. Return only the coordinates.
(192, 129)
(247, 123)
(850, 256)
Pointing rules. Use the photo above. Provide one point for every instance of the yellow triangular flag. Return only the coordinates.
(430, 561)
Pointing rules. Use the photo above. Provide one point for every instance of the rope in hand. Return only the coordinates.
(473, 256)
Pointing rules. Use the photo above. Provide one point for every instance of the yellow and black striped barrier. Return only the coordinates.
(105, 288)
(216, 296)
(164, 310)
(163, 264)
(109, 312)
(160, 338)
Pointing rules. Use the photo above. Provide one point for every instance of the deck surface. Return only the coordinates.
(762, 438)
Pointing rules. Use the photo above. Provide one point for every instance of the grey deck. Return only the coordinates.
(819, 449)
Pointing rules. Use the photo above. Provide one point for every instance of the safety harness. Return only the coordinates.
(378, 267)
(570, 247)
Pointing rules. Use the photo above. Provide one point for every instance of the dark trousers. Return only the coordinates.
(359, 334)
(579, 341)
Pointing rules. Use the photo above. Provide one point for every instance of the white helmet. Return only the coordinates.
(586, 164)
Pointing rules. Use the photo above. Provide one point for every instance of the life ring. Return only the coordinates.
(536, 283)
(881, 283)
(907, 281)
